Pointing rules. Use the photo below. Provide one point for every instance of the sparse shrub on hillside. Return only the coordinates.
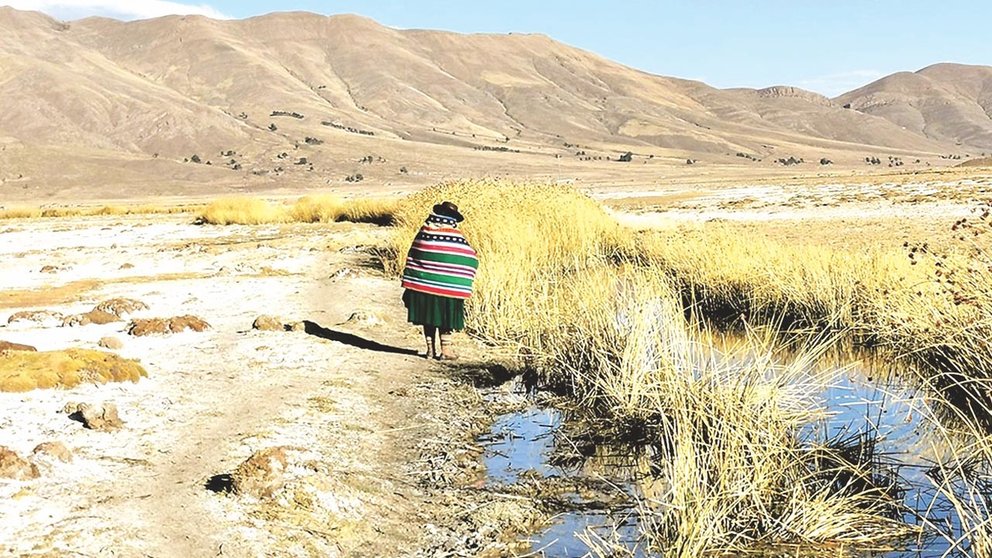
(626, 157)
(296, 115)
(302, 161)
(195, 159)
(313, 141)
(825, 161)
(873, 160)
(273, 127)
(790, 161)
(349, 129)
(691, 161)
(403, 170)
(498, 148)
(357, 177)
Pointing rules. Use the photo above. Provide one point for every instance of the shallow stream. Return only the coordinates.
(866, 403)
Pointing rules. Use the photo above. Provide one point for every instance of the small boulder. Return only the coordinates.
(262, 474)
(98, 317)
(268, 323)
(121, 307)
(363, 318)
(8, 346)
(112, 343)
(53, 451)
(102, 417)
(297, 326)
(165, 326)
(49, 269)
(13, 466)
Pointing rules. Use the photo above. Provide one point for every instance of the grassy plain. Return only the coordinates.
(612, 314)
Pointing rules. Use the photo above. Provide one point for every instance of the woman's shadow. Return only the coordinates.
(353, 340)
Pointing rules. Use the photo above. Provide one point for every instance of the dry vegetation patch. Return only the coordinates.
(61, 212)
(308, 209)
(553, 285)
(166, 326)
(25, 371)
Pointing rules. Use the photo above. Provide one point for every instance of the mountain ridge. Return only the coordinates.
(335, 87)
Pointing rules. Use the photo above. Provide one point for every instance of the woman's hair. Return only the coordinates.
(448, 209)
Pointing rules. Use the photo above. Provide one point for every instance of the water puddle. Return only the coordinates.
(522, 445)
(521, 442)
(867, 406)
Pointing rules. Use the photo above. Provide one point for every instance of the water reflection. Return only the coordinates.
(871, 413)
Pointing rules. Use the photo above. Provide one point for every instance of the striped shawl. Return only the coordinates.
(440, 261)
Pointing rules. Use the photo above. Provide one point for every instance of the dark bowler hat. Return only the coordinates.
(448, 209)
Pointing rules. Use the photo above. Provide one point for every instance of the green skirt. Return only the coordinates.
(431, 310)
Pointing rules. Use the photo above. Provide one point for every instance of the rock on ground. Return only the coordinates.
(268, 323)
(102, 417)
(53, 450)
(363, 318)
(121, 307)
(94, 316)
(8, 346)
(13, 466)
(111, 343)
(165, 326)
(41, 317)
(262, 474)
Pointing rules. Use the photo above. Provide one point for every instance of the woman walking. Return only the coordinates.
(440, 268)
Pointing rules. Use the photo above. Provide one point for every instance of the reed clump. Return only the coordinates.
(84, 211)
(723, 427)
(554, 285)
(322, 208)
(928, 308)
(528, 236)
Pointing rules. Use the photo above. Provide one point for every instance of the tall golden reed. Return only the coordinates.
(552, 285)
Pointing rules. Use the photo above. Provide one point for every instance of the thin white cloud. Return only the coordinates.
(121, 9)
(839, 83)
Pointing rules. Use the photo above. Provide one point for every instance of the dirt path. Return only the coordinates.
(380, 440)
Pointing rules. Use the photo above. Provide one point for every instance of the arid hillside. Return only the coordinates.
(101, 109)
(945, 102)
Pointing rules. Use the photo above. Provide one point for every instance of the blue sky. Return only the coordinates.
(829, 47)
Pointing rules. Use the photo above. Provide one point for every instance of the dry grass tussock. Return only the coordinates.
(724, 426)
(930, 308)
(529, 237)
(308, 209)
(25, 371)
(60, 212)
(552, 285)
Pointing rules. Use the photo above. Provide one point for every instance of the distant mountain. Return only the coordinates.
(296, 99)
(945, 102)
